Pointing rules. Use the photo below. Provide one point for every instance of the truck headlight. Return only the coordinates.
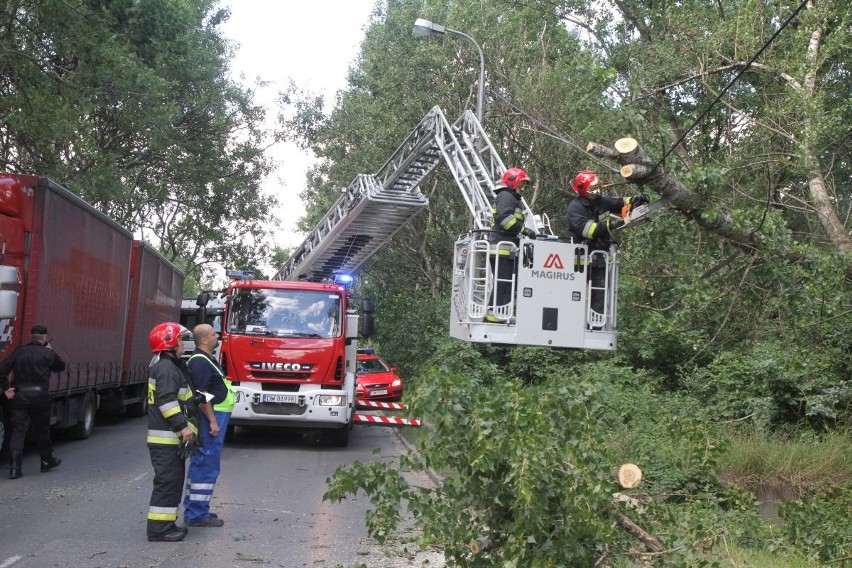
(332, 400)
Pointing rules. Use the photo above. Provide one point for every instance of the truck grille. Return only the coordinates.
(279, 409)
(260, 375)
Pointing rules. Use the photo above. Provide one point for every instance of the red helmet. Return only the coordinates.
(166, 336)
(585, 181)
(513, 177)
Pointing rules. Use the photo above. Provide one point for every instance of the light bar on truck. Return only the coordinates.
(345, 280)
(239, 274)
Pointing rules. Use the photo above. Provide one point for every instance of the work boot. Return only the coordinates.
(15, 466)
(49, 463)
(491, 318)
(176, 534)
(209, 521)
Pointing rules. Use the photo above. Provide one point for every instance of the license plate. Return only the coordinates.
(279, 398)
(378, 392)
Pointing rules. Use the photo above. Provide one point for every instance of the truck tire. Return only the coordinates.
(339, 437)
(83, 429)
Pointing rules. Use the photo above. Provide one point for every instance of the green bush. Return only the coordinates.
(820, 525)
(525, 469)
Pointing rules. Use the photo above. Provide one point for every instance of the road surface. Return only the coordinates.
(90, 512)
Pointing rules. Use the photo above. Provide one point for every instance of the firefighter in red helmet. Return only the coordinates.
(509, 219)
(590, 221)
(171, 425)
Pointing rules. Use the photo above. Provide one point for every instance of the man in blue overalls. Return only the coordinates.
(207, 377)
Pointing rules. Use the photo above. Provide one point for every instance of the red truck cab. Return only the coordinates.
(290, 350)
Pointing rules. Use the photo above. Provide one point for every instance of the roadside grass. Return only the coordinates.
(804, 464)
(739, 557)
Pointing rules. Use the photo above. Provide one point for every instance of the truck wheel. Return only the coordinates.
(339, 437)
(83, 429)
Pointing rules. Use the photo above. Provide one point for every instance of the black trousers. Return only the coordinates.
(169, 473)
(598, 278)
(505, 270)
(39, 420)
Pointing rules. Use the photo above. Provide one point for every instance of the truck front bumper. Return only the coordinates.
(317, 408)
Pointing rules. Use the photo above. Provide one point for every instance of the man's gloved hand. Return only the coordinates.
(639, 199)
(529, 233)
(188, 449)
(613, 224)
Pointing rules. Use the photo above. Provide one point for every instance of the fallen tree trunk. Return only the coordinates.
(637, 168)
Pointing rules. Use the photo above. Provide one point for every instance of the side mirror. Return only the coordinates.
(368, 323)
(8, 275)
(8, 304)
(393, 370)
(203, 299)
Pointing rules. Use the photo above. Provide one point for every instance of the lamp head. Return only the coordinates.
(426, 28)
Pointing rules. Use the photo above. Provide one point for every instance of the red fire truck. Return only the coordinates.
(67, 266)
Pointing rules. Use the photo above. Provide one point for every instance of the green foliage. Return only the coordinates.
(820, 525)
(521, 468)
(128, 105)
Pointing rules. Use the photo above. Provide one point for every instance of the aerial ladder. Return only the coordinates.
(551, 293)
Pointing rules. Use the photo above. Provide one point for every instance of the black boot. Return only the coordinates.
(15, 466)
(49, 463)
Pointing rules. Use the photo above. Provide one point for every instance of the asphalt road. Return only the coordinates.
(90, 512)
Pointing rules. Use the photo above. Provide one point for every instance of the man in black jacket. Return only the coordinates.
(591, 221)
(31, 365)
(509, 219)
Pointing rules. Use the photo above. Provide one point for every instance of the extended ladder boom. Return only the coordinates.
(374, 207)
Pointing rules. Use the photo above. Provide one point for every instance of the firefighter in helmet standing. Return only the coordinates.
(170, 427)
(508, 214)
(589, 222)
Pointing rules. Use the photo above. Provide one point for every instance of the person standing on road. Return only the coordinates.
(170, 414)
(31, 365)
(207, 377)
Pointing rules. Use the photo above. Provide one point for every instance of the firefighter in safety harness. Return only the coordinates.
(172, 430)
(508, 216)
(592, 219)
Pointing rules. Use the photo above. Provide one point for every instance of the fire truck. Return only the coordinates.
(290, 343)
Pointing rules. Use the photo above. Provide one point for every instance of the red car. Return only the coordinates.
(376, 379)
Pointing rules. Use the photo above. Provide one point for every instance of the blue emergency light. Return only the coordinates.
(345, 280)
(239, 274)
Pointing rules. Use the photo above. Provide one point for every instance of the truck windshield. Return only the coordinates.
(285, 313)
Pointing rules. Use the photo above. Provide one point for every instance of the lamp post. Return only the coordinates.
(425, 28)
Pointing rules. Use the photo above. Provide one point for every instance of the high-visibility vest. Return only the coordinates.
(226, 405)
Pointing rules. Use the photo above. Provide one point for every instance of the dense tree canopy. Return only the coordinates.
(735, 305)
(128, 104)
(768, 162)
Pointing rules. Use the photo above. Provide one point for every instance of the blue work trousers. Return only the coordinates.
(204, 469)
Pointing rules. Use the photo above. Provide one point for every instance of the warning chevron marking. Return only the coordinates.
(385, 420)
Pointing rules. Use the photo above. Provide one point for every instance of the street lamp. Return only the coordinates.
(425, 28)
